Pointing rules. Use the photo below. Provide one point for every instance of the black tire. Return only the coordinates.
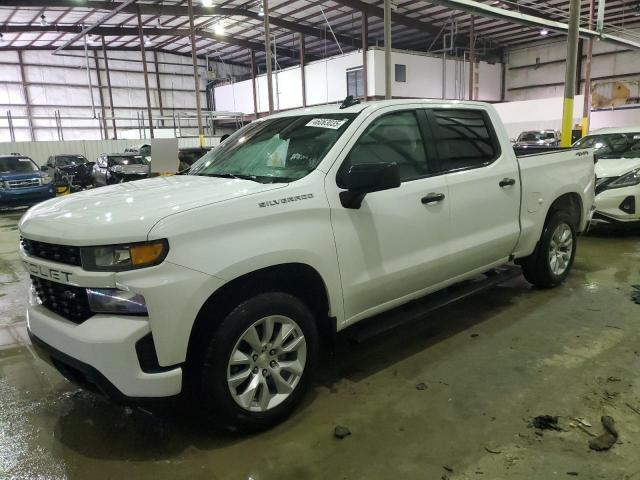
(212, 390)
(537, 267)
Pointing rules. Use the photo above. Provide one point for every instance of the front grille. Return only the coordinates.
(29, 182)
(51, 251)
(67, 301)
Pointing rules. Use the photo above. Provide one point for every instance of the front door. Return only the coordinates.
(393, 245)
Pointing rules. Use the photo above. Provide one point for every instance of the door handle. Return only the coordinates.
(507, 182)
(432, 198)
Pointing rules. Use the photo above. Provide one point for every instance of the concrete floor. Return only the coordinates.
(490, 363)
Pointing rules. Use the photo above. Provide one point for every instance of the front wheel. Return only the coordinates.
(259, 363)
(553, 258)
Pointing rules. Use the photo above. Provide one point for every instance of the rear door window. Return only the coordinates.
(463, 139)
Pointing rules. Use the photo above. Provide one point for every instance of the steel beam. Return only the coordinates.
(570, 75)
(253, 82)
(143, 53)
(365, 49)
(303, 78)
(103, 122)
(472, 56)
(196, 75)
(387, 50)
(133, 31)
(515, 16)
(108, 74)
(100, 21)
(267, 49)
(27, 103)
(586, 109)
(178, 10)
(158, 87)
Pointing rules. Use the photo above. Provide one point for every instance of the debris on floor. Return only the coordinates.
(635, 294)
(633, 408)
(613, 379)
(573, 474)
(608, 438)
(421, 386)
(545, 422)
(341, 432)
(490, 450)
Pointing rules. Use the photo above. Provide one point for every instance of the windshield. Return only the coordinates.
(127, 160)
(70, 160)
(278, 150)
(17, 165)
(536, 136)
(625, 145)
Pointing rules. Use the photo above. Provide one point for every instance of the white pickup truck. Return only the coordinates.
(223, 281)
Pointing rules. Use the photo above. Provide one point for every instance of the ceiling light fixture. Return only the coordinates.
(207, 3)
(544, 32)
(43, 20)
(147, 41)
(261, 10)
(219, 29)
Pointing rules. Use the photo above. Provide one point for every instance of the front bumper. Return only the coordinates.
(26, 196)
(618, 205)
(100, 352)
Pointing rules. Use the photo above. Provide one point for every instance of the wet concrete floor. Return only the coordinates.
(489, 363)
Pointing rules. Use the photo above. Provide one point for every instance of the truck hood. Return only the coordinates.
(126, 212)
(614, 167)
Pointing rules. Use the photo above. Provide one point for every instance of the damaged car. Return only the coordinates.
(111, 168)
(70, 169)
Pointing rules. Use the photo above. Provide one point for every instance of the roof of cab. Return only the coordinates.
(377, 104)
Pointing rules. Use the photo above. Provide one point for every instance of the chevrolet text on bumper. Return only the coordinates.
(221, 282)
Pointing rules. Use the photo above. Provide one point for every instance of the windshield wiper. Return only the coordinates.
(235, 176)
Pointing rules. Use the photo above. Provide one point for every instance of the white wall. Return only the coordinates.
(536, 114)
(620, 117)
(326, 82)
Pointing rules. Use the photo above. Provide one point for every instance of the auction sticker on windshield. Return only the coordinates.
(326, 123)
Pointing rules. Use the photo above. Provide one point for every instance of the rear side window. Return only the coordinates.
(464, 139)
(392, 138)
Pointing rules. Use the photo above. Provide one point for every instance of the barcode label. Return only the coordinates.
(326, 123)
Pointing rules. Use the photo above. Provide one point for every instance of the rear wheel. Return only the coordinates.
(553, 258)
(259, 363)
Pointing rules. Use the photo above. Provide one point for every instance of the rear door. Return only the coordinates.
(394, 245)
(484, 188)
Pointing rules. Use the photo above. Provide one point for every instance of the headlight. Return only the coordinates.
(3, 184)
(45, 179)
(626, 180)
(115, 258)
(112, 300)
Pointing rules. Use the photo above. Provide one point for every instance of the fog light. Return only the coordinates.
(112, 300)
(629, 205)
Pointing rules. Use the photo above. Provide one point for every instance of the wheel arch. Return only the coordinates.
(298, 279)
(568, 202)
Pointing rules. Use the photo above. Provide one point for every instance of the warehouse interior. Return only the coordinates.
(494, 338)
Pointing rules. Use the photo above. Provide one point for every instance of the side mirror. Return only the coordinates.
(44, 168)
(368, 178)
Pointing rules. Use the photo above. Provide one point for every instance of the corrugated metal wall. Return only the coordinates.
(40, 151)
